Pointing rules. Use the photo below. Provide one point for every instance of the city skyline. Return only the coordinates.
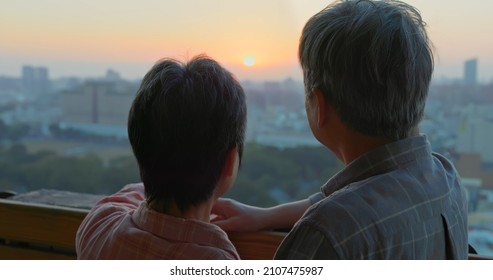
(255, 39)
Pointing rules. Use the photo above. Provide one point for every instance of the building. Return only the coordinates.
(475, 131)
(474, 136)
(35, 80)
(98, 102)
(471, 72)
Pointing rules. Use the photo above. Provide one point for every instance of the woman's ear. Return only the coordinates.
(321, 107)
(228, 175)
(230, 164)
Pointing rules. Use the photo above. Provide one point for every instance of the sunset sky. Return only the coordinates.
(85, 38)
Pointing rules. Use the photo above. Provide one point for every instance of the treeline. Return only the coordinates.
(267, 176)
(12, 132)
(23, 171)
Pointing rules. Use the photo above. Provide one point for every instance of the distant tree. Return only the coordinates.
(250, 192)
(281, 175)
(268, 175)
(14, 132)
(3, 130)
(18, 131)
(261, 160)
(119, 172)
(66, 173)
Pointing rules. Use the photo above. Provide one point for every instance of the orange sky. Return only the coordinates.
(84, 38)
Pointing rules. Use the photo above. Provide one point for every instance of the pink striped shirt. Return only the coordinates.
(123, 226)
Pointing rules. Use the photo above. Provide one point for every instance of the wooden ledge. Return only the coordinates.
(261, 245)
(39, 231)
(476, 257)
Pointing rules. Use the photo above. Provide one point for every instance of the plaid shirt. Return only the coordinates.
(122, 226)
(399, 201)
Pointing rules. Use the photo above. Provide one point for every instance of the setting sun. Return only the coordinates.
(249, 60)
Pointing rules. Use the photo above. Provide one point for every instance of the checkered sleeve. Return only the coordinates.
(316, 197)
(305, 242)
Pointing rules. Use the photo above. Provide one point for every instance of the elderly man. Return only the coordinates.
(367, 66)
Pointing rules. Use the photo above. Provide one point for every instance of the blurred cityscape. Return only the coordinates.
(75, 116)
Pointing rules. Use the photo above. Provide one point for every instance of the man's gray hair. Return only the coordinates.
(373, 62)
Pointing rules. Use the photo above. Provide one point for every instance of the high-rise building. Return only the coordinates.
(35, 80)
(112, 75)
(471, 72)
(98, 102)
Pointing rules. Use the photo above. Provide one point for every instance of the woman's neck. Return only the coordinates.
(200, 212)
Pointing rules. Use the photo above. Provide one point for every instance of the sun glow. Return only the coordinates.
(249, 60)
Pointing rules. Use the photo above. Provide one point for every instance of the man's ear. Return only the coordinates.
(322, 107)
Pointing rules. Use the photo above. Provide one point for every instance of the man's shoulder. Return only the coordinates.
(375, 198)
(337, 215)
(386, 188)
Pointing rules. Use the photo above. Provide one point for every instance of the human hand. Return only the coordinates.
(236, 216)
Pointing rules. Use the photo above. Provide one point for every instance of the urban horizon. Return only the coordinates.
(440, 78)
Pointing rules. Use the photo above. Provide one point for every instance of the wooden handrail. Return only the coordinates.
(40, 224)
(477, 257)
(40, 231)
(260, 245)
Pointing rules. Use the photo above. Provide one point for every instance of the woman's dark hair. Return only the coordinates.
(182, 124)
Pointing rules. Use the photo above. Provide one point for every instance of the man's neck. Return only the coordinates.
(355, 147)
(352, 144)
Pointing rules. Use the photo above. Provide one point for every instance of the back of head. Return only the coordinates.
(373, 62)
(182, 123)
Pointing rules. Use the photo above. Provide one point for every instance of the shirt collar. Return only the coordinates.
(181, 230)
(378, 161)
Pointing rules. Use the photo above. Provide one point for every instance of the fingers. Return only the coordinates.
(224, 207)
(219, 204)
(224, 224)
(234, 216)
(234, 225)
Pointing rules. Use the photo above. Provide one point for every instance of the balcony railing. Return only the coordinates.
(33, 229)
